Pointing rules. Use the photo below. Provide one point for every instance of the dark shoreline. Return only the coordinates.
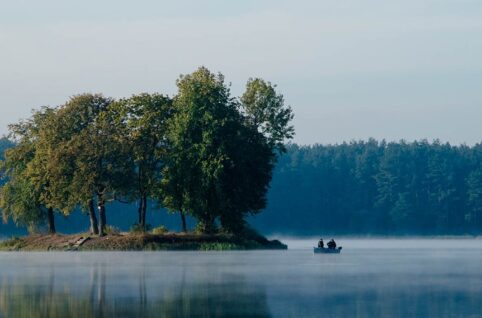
(139, 242)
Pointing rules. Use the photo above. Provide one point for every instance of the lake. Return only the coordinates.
(370, 278)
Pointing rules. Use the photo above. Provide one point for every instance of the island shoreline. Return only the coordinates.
(140, 242)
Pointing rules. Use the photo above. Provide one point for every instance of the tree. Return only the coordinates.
(26, 195)
(38, 170)
(474, 193)
(400, 212)
(72, 118)
(204, 111)
(175, 184)
(90, 162)
(221, 158)
(246, 177)
(142, 121)
(19, 201)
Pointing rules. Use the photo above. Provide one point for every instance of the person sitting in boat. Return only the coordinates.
(320, 243)
(331, 244)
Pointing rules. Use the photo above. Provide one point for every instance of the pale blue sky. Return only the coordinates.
(351, 69)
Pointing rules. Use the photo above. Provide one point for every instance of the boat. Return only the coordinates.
(322, 250)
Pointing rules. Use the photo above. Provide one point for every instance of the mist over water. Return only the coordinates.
(370, 278)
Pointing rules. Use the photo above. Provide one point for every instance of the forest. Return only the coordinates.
(216, 162)
(201, 153)
(376, 187)
(361, 188)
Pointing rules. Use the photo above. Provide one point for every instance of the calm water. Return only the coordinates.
(371, 278)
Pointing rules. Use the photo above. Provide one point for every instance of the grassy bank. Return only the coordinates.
(138, 242)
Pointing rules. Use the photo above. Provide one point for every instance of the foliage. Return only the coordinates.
(99, 154)
(138, 228)
(265, 109)
(219, 163)
(20, 202)
(142, 119)
(210, 155)
(10, 244)
(112, 230)
(91, 158)
(474, 197)
(160, 230)
(203, 153)
(5, 144)
(219, 246)
(24, 196)
(376, 187)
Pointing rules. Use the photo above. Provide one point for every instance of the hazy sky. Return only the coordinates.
(350, 69)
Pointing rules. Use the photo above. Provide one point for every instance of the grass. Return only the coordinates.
(13, 243)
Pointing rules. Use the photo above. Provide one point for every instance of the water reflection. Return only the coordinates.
(105, 295)
(371, 296)
(425, 280)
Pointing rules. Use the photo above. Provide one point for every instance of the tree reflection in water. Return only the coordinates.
(46, 296)
(368, 282)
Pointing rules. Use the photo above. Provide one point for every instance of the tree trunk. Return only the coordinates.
(102, 217)
(93, 219)
(183, 220)
(139, 211)
(51, 220)
(144, 209)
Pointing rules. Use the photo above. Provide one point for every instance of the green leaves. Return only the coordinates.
(86, 151)
(23, 196)
(265, 109)
(143, 121)
(221, 159)
(202, 152)
(203, 112)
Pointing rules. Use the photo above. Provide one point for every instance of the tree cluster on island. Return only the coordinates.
(201, 152)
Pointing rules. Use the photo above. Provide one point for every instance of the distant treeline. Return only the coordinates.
(376, 187)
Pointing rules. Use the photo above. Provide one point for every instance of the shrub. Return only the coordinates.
(202, 228)
(10, 242)
(219, 246)
(112, 230)
(137, 228)
(159, 230)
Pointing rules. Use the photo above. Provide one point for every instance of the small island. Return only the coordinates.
(202, 154)
(139, 242)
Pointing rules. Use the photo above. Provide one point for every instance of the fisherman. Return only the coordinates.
(320, 243)
(331, 244)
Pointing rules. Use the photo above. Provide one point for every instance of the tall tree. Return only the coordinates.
(91, 160)
(204, 111)
(474, 193)
(221, 158)
(142, 121)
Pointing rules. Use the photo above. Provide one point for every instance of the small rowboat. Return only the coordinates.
(322, 250)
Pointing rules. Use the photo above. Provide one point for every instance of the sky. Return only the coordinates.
(350, 69)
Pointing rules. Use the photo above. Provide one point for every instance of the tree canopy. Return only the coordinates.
(201, 152)
(220, 162)
(25, 194)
